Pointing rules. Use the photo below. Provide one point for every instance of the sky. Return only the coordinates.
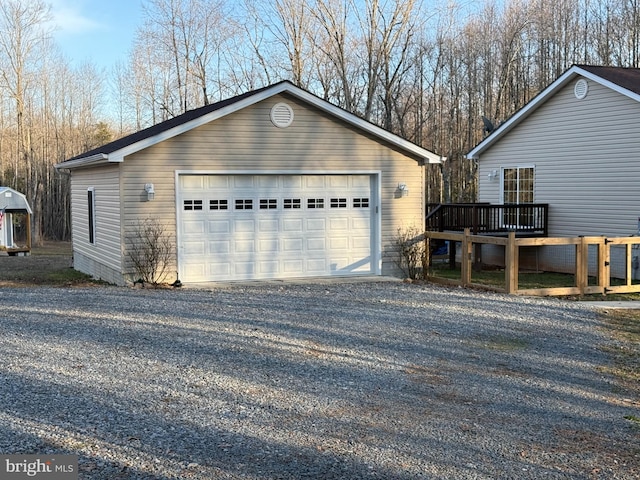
(97, 31)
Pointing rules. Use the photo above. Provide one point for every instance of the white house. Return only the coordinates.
(274, 183)
(576, 147)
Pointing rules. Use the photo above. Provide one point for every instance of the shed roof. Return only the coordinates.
(625, 81)
(116, 151)
(13, 201)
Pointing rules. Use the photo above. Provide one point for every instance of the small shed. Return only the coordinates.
(15, 222)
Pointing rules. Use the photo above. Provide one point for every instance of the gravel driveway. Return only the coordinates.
(323, 381)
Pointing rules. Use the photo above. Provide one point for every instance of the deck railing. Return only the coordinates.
(526, 219)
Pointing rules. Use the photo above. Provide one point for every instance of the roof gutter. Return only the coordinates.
(97, 159)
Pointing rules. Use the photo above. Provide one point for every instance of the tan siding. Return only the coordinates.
(248, 141)
(106, 250)
(587, 158)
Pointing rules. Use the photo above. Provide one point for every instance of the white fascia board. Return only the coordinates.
(96, 159)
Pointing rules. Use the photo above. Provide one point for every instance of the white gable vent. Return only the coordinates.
(281, 115)
(581, 89)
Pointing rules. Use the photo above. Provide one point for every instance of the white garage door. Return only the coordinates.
(240, 227)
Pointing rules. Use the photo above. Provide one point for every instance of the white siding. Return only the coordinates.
(103, 258)
(587, 159)
(247, 141)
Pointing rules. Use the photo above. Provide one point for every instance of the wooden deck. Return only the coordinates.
(525, 219)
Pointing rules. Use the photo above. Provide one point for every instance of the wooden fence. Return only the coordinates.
(512, 246)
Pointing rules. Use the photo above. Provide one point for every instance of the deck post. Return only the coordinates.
(465, 258)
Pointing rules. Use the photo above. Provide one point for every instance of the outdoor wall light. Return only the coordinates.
(403, 190)
(148, 187)
(493, 174)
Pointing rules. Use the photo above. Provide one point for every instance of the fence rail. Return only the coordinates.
(512, 246)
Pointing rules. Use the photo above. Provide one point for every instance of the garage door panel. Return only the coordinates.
(317, 244)
(244, 246)
(316, 224)
(268, 268)
(338, 243)
(274, 226)
(194, 248)
(244, 269)
(219, 227)
(244, 226)
(293, 225)
(271, 225)
(268, 245)
(317, 266)
(219, 270)
(339, 224)
(244, 181)
(194, 226)
(293, 267)
(220, 247)
(218, 182)
(292, 244)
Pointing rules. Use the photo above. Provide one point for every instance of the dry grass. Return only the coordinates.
(49, 264)
(623, 326)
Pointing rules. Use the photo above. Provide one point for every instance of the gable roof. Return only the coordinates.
(12, 200)
(625, 81)
(115, 151)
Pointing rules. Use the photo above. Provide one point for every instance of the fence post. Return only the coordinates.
(602, 271)
(511, 264)
(582, 270)
(465, 259)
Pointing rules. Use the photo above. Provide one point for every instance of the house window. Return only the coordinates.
(218, 205)
(291, 203)
(268, 203)
(244, 204)
(193, 204)
(315, 202)
(91, 210)
(517, 188)
(360, 203)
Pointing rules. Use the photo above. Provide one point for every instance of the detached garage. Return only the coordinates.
(275, 183)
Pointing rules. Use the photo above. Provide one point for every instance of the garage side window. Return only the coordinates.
(91, 214)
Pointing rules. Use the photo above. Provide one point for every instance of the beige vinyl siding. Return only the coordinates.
(586, 155)
(106, 249)
(247, 141)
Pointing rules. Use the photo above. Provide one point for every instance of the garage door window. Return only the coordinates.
(338, 203)
(244, 204)
(292, 203)
(193, 204)
(315, 202)
(268, 203)
(218, 205)
(360, 203)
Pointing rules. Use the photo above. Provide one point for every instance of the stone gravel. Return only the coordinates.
(315, 380)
